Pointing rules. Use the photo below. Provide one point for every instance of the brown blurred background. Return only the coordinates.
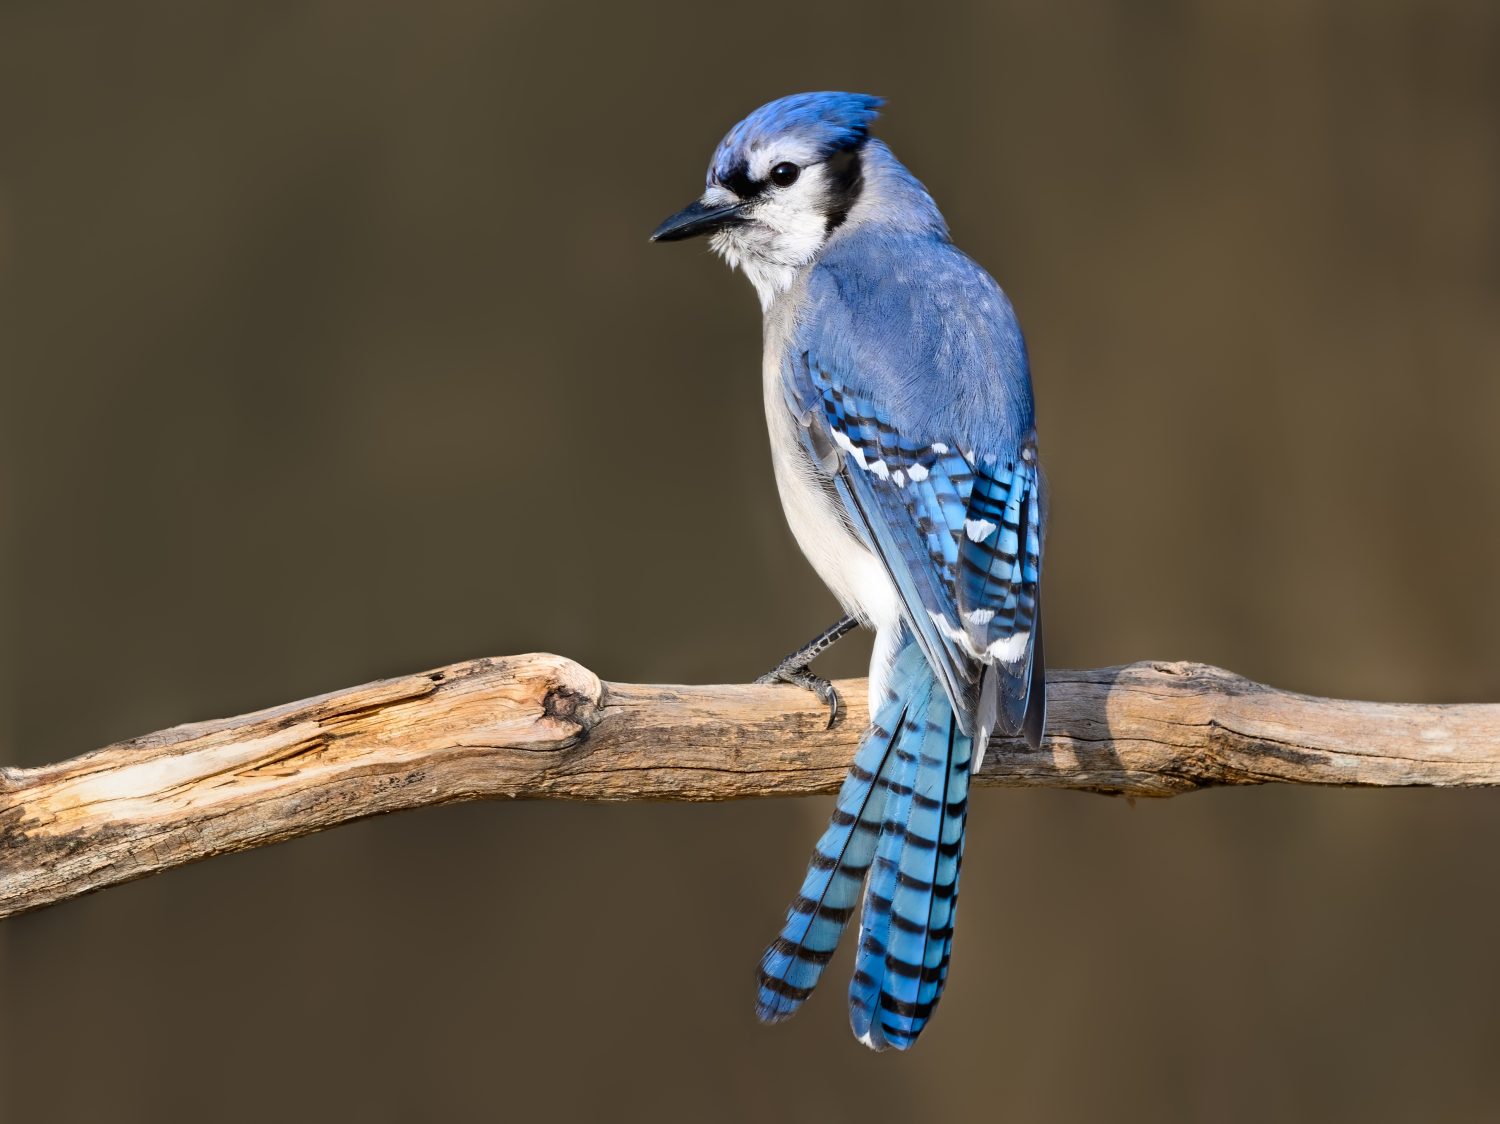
(329, 328)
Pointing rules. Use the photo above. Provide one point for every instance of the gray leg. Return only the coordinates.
(793, 669)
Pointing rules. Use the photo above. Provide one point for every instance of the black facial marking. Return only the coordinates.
(846, 178)
(738, 181)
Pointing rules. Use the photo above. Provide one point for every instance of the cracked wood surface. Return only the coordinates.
(540, 726)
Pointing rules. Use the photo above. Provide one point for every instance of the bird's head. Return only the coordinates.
(780, 183)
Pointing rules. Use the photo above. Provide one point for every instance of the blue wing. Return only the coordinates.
(912, 388)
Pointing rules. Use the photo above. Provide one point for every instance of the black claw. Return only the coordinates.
(831, 697)
(801, 677)
(793, 669)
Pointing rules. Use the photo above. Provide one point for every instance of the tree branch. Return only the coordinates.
(542, 726)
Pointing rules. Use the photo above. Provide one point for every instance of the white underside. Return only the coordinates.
(851, 572)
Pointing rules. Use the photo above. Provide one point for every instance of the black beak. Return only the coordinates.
(698, 218)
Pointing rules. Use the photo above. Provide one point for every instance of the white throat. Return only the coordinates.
(785, 231)
(770, 277)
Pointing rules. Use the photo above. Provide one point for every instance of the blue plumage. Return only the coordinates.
(903, 435)
(828, 121)
(831, 891)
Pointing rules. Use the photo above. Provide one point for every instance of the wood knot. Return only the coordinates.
(571, 707)
(564, 703)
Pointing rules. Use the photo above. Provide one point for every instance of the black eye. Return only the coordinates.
(784, 174)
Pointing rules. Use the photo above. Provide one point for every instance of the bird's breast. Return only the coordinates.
(816, 516)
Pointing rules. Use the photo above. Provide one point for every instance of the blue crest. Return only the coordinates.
(829, 120)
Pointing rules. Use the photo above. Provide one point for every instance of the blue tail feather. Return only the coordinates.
(911, 910)
(792, 965)
(917, 966)
(880, 894)
(900, 817)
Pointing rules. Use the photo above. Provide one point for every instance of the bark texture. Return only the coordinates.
(541, 726)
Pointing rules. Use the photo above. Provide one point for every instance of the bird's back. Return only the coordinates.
(925, 331)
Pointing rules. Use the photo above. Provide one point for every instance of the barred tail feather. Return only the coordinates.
(880, 894)
(900, 817)
(792, 965)
(917, 966)
(902, 960)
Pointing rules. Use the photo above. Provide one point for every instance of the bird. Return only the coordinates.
(899, 404)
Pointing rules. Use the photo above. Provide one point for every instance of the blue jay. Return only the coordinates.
(903, 439)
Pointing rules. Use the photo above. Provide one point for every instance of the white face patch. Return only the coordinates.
(716, 196)
(785, 227)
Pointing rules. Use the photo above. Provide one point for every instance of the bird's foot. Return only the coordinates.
(799, 676)
(793, 669)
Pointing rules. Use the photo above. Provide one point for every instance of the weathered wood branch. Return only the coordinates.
(542, 726)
